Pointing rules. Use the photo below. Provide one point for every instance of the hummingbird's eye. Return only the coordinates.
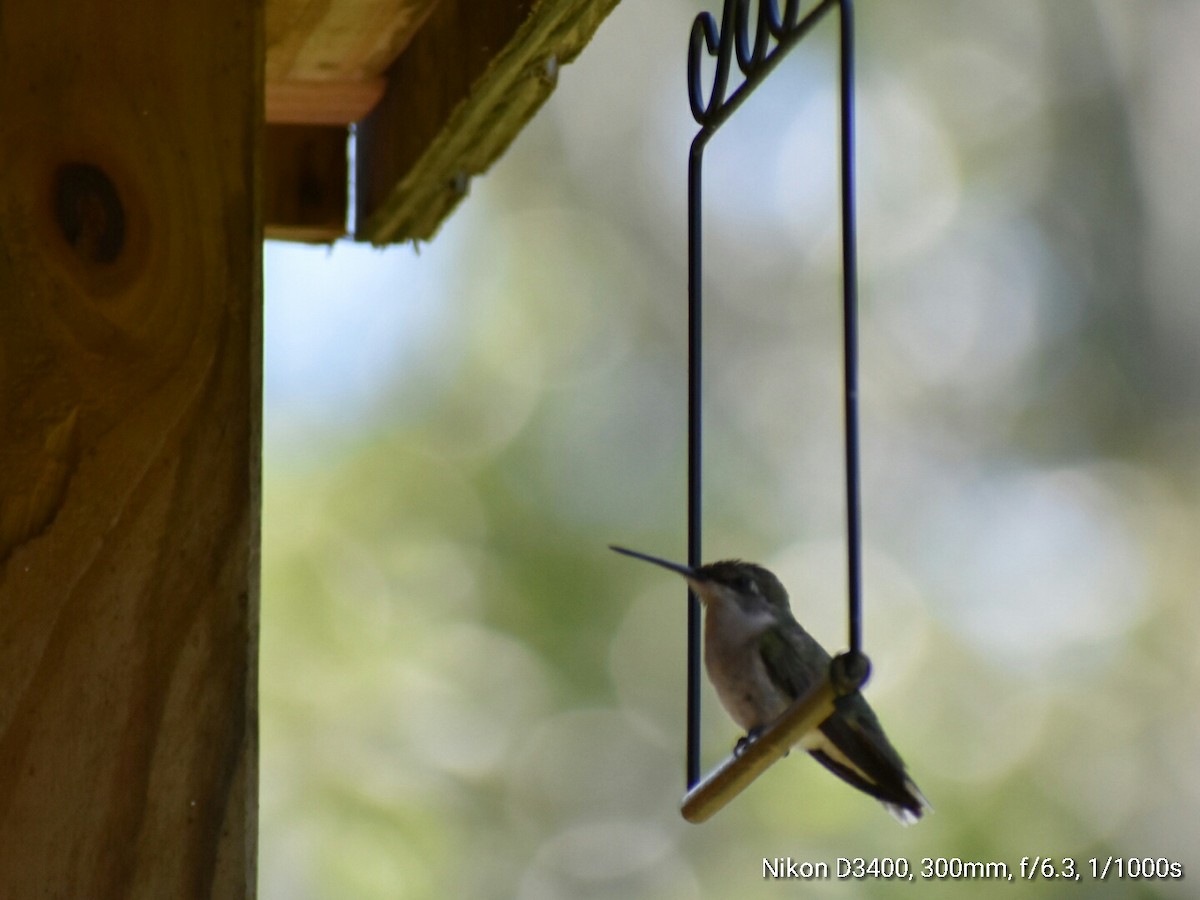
(745, 584)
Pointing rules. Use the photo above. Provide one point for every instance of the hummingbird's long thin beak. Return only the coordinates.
(686, 571)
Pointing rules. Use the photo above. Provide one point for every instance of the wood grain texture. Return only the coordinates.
(456, 98)
(338, 40)
(130, 395)
(322, 102)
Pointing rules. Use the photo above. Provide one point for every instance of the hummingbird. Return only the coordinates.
(759, 659)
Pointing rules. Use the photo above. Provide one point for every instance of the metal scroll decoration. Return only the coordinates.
(756, 56)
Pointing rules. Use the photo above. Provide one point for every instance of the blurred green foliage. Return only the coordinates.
(465, 694)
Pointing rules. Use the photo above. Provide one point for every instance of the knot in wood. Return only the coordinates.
(89, 212)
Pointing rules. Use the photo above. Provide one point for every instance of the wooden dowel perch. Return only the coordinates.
(735, 774)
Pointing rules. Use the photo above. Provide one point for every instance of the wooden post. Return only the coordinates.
(130, 382)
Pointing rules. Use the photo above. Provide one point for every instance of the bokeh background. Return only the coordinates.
(464, 693)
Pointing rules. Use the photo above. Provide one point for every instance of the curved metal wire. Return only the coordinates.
(774, 35)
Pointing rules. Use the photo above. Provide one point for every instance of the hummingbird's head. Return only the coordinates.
(751, 587)
(748, 584)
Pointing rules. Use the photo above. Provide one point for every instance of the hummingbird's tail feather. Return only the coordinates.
(905, 801)
(852, 745)
(909, 813)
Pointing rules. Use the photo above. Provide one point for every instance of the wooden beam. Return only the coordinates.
(130, 382)
(322, 102)
(325, 60)
(339, 40)
(469, 81)
(305, 175)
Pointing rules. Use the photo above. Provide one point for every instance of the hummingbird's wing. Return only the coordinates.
(851, 742)
(793, 659)
(856, 749)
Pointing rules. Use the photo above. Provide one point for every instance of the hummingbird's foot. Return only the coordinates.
(751, 736)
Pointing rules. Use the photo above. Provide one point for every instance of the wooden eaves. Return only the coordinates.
(436, 89)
